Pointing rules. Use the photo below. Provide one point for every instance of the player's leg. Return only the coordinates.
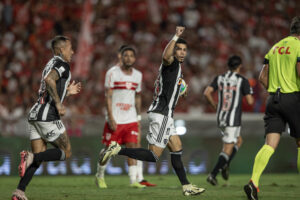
(236, 147)
(175, 147)
(298, 160)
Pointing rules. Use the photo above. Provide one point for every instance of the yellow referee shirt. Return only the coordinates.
(282, 59)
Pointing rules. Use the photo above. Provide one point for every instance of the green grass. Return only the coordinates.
(273, 186)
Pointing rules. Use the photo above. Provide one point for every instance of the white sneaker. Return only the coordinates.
(113, 149)
(191, 189)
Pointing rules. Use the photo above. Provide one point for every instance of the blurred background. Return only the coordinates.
(214, 31)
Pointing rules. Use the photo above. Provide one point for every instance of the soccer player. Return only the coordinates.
(123, 106)
(280, 75)
(44, 121)
(161, 129)
(231, 88)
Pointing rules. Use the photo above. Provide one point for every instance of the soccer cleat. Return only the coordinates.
(191, 189)
(26, 161)
(137, 185)
(212, 180)
(18, 195)
(113, 149)
(225, 172)
(251, 191)
(146, 183)
(100, 182)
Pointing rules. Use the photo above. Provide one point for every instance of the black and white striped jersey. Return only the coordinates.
(167, 87)
(231, 89)
(44, 109)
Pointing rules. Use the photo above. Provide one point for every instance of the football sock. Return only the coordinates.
(261, 160)
(49, 155)
(298, 160)
(139, 154)
(132, 173)
(101, 169)
(222, 161)
(139, 165)
(28, 176)
(234, 150)
(178, 167)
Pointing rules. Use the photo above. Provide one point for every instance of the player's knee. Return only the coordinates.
(239, 142)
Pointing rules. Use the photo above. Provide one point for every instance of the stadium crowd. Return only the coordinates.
(214, 31)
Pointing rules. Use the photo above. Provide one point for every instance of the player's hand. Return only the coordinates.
(179, 30)
(61, 109)
(74, 88)
(112, 124)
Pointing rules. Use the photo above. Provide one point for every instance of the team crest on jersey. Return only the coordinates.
(128, 85)
(108, 136)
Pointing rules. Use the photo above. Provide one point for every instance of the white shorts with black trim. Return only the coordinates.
(48, 131)
(161, 128)
(230, 133)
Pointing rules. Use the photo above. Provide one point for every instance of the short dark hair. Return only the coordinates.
(128, 48)
(122, 47)
(56, 41)
(295, 26)
(233, 62)
(181, 41)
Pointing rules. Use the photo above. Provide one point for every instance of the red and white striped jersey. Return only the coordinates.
(124, 88)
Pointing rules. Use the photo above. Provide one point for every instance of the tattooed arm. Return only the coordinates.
(50, 80)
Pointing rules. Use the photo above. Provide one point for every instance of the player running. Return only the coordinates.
(280, 75)
(231, 88)
(162, 132)
(123, 85)
(44, 121)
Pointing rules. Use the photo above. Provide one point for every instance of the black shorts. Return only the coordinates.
(281, 111)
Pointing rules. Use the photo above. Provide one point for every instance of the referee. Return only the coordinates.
(280, 75)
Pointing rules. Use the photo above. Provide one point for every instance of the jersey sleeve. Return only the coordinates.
(139, 87)
(246, 88)
(109, 82)
(266, 60)
(214, 84)
(61, 69)
(298, 54)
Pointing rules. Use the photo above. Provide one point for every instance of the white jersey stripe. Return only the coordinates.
(46, 110)
(174, 93)
(236, 101)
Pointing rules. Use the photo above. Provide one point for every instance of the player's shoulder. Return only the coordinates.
(242, 77)
(58, 62)
(137, 72)
(113, 69)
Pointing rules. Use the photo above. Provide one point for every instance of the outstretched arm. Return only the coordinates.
(168, 57)
(50, 80)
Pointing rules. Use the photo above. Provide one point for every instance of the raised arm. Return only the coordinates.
(208, 95)
(168, 54)
(263, 76)
(50, 80)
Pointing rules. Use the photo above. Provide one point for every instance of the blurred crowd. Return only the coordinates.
(214, 31)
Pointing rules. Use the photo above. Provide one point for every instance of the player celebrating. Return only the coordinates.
(280, 75)
(123, 105)
(44, 121)
(231, 88)
(161, 129)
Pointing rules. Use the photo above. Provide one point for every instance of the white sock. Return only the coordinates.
(132, 173)
(101, 169)
(139, 166)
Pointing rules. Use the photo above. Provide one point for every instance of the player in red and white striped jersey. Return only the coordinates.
(123, 106)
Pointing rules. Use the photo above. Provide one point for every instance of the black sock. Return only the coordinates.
(222, 161)
(49, 155)
(178, 167)
(234, 150)
(139, 154)
(28, 176)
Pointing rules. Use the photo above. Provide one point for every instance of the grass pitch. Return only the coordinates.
(273, 186)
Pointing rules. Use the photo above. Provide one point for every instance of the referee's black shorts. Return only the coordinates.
(285, 110)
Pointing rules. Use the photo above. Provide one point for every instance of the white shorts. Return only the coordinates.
(48, 131)
(161, 128)
(230, 134)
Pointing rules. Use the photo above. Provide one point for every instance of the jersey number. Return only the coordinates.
(226, 101)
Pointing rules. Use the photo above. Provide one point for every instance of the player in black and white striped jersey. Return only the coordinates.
(231, 88)
(44, 122)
